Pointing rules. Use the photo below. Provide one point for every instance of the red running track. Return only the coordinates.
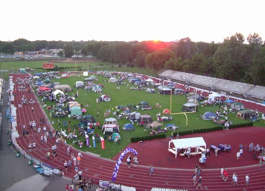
(165, 176)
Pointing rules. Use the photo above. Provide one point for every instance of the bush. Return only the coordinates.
(133, 140)
(146, 138)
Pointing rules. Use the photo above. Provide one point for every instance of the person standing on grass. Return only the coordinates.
(151, 170)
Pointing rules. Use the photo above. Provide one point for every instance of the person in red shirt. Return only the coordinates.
(225, 175)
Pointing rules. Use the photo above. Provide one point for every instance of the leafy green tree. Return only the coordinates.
(185, 48)
(179, 64)
(207, 67)
(140, 59)
(157, 59)
(8, 48)
(93, 47)
(253, 54)
(68, 51)
(257, 70)
(60, 54)
(123, 53)
(207, 49)
(170, 64)
(84, 51)
(20, 42)
(194, 64)
(230, 58)
(41, 44)
(106, 53)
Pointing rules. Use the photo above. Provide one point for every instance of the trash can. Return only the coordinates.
(9, 142)
(7, 131)
(18, 154)
(30, 162)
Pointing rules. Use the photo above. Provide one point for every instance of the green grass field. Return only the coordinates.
(123, 96)
(13, 66)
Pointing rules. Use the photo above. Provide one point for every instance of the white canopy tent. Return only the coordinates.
(79, 84)
(197, 142)
(56, 92)
(213, 96)
(113, 80)
(62, 87)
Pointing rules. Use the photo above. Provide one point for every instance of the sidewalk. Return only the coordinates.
(15, 173)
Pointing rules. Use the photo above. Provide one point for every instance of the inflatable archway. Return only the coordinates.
(117, 166)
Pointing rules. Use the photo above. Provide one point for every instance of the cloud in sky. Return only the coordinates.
(127, 20)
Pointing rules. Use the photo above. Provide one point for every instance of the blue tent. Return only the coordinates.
(115, 137)
(39, 83)
(128, 127)
(22, 70)
(209, 115)
(229, 101)
(76, 110)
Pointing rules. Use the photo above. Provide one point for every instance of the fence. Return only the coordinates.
(47, 169)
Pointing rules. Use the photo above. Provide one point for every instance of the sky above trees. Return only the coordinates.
(129, 20)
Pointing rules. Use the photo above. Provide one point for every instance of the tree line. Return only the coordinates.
(236, 58)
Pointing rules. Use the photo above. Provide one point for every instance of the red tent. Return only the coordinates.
(44, 88)
(166, 111)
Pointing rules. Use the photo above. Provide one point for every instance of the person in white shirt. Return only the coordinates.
(30, 146)
(222, 173)
(247, 179)
(41, 138)
(45, 139)
(238, 155)
(241, 152)
(80, 175)
(44, 129)
(135, 161)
